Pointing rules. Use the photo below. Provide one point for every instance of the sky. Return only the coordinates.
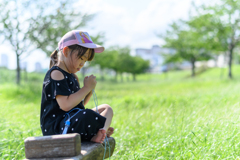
(134, 23)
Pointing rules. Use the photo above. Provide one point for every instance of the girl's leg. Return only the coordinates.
(99, 137)
(106, 111)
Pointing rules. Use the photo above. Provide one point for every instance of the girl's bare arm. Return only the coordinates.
(87, 98)
(66, 103)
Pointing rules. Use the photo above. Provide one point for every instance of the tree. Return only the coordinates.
(29, 25)
(188, 43)
(119, 59)
(140, 66)
(123, 60)
(130, 64)
(221, 25)
(13, 27)
(135, 65)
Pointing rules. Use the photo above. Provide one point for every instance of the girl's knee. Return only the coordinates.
(109, 109)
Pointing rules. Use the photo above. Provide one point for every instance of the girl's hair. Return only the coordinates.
(81, 52)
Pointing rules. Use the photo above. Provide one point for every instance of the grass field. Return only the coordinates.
(157, 117)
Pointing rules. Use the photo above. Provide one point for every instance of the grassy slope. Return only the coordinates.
(157, 117)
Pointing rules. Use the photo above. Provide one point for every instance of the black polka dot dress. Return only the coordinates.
(86, 122)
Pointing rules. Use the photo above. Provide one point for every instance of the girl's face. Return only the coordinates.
(75, 63)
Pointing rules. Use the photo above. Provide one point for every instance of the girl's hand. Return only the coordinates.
(90, 81)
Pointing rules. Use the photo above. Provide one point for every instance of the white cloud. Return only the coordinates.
(139, 29)
(154, 19)
(109, 19)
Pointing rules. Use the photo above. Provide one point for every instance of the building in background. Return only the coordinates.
(4, 60)
(38, 67)
(156, 58)
(23, 65)
(154, 55)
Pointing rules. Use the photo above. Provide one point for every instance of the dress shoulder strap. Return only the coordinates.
(61, 70)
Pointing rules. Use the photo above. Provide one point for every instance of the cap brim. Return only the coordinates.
(97, 48)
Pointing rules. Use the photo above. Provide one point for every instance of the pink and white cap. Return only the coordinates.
(80, 38)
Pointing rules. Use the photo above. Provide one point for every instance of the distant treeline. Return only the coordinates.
(120, 60)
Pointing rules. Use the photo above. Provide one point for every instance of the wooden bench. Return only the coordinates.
(65, 147)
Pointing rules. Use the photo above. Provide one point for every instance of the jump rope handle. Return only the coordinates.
(67, 124)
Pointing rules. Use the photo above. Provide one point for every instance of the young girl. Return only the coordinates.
(62, 96)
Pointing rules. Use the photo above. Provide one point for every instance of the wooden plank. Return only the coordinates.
(67, 145)
(95, 151)
(79, 157)
(89, 150)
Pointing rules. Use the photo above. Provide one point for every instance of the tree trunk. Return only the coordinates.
(193, 66)
(25, 74)
(222, 68)
(102, 75)
(18, 69)
(230, 61)
(134, 77)
(116, 76)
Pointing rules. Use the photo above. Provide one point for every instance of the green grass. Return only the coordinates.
(163, 116)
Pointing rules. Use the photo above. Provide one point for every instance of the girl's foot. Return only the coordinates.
(110, 131)
(100, 136)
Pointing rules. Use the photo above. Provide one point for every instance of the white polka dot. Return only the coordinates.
(70, 82)
(44, 110)
(41, 125)
(89, 126)
(76, 119)
(58, 84)
(45, 130)
(85, 134)
(72, 129)
(77, 86)
(64, 115)
(49, 95)
(84, 112)
(53, 115)
(96, 118)
(61, 128)
(69, 90)
(81, 133)
(75, 79)
(66, 77)
(72, 91)
(54, 97)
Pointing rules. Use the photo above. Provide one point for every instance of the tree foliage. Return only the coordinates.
(188, 44)
(13, 28)
(119, 59)
(214, 29)
(221, 26)
(29, 25)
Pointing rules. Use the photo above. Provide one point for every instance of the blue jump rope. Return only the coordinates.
(67, 122)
